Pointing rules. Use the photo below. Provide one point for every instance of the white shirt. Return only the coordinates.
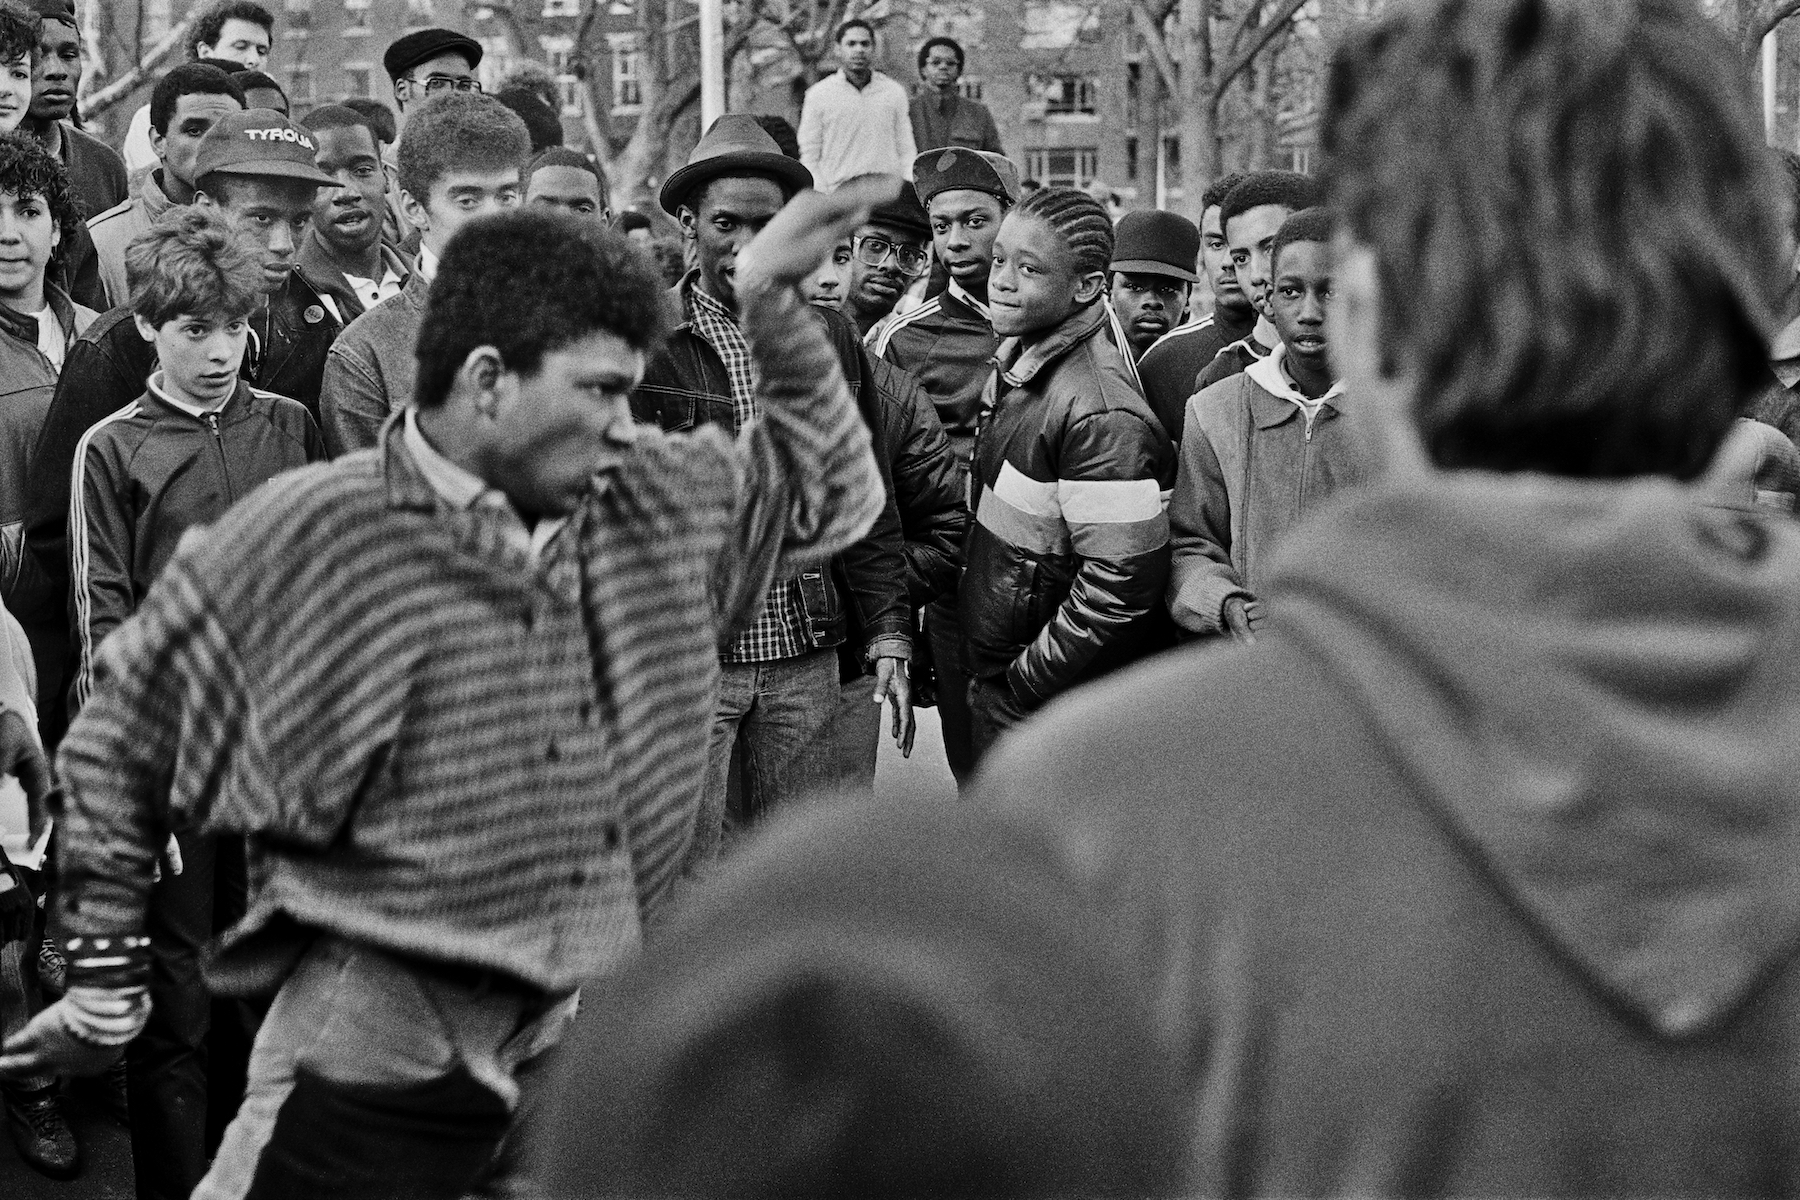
(50, 336)
(426, 263)
(136, 151)
(462, 489)
(155, 383)
(846, 131)
(372, 293)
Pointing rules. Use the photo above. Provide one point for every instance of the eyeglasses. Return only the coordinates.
(873, 251)
(441, 83)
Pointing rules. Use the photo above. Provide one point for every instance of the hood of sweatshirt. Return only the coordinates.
(1597, 687)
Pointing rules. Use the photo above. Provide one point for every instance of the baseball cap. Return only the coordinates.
(259, 141)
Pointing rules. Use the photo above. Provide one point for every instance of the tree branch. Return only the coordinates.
(1151, 30)
(1768, 21)
(97, 103)
(1264, 34)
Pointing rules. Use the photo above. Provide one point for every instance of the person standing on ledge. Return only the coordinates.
(854, 121)
(941, 115)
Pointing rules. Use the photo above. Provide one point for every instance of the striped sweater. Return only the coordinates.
(434, 744)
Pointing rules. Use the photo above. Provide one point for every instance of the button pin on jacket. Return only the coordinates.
(313, 314)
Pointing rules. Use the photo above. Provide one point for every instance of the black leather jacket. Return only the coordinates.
(858, 600)
(928, 483)
(1069, 552)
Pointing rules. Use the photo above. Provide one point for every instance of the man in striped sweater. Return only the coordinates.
(455, 690)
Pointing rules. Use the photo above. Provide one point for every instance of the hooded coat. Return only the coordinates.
(1478, 874)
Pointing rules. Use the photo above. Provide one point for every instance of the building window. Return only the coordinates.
(559, 56)
(1059, 24)
(1300, 159)
(299, 16)
(356, 81)
(622, 8)
(969, 89)
(300, 84)
(1074, 168)
(627, 73)
(562, 8)
(1064, 95)
(418, 11)
(356, 16)
(1131, 160)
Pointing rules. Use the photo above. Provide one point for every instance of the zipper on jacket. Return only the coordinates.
(212, 423)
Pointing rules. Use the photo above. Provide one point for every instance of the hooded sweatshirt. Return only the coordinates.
(1477, 875)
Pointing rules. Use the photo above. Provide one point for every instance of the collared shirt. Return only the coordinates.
(161, 390)
(427, 263)
(846, 131)
(50, 340)
(372, 292)
(462, 490)
(780, 631)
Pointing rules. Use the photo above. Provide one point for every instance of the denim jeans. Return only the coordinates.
(943, 626)
(373, 1077)
(776, 712)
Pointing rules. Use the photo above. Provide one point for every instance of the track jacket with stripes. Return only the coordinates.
(1069, 552)
(150, 472)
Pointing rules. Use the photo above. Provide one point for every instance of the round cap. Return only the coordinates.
(1156, 243)
(259, 141)
(414, 48)
(902, 212)
(954, 168)
(735, 145)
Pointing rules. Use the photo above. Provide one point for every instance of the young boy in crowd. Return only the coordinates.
(198, 439)
(948, 345)
(1068, 556)
(343, 255)
(1154, 256)
(463, 157)
(1250, 216)
(1169, 368)
(1264, 448)
(37, 323)
(569, 180)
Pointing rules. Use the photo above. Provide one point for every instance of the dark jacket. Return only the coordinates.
(327, 278)
(27, 383)
(96, 172)
(948, 346)
(1252, 466)
(1228, 362)
(1171, 365)
(149, 473)
(934, 514)
(686, 386)
(1069, 552)
(370, 370)
(107, 369)
(939, 121)
(1475, 875)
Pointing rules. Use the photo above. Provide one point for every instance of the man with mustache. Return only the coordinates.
(343, 256)
(887, 255)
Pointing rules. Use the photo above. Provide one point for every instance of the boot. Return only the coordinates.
(42, 1135)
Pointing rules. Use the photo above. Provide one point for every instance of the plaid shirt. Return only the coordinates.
(780, 632)
(433, 743)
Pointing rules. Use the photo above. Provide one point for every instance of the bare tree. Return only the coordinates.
(1749, 21)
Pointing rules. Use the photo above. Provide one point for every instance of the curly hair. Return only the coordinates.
(1307, 225)
(527, 283)
(949, 43)
(190, 262)
(1214, 195)
(211, 23)
(27, 169)
(18, 32)
(1290, 189)
(1079, 219)
(460, 131)
(1576, 226)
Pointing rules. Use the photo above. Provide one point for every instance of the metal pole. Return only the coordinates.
(1770, 68)
(712, 62)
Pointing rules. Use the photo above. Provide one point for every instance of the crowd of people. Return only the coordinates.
(1356, 623)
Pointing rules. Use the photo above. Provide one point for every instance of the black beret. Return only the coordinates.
(409, 51)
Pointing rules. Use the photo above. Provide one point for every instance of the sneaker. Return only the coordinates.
(52, 968)
(43, 1137)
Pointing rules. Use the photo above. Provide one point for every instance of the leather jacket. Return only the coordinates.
(857, 600)
(1069, 553)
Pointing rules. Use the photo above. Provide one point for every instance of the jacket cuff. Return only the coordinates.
(1022, 692)
(893, 645)
(118, 961)
(1197, 602)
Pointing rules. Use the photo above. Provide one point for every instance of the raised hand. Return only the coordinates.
(791, 246)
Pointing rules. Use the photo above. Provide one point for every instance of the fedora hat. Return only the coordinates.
(735, 145)
(1157, 243)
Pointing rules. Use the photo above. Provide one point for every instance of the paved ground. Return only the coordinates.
(106, 1161)
(106, 1173)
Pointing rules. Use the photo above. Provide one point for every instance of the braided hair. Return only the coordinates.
(1078, 219)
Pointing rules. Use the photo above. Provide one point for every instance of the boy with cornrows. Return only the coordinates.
(1069, 551)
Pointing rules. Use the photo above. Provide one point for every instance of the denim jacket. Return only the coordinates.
(857, 599)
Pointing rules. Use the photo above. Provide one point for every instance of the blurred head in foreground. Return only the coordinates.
(1561, 236)
(873, 1003)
